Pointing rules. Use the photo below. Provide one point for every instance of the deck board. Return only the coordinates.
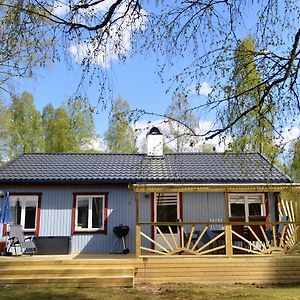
(120, 270)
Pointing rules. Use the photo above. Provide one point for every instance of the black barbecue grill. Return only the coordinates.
(120, 232)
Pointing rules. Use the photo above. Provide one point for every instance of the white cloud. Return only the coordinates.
(288, 136)
(193, 143)
(220, 143)
(116, 42)
(203, 89)
(96, 144)
(60, 8)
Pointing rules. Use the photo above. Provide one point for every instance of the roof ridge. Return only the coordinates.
(82, 153)
(139, 154)
(213, 153)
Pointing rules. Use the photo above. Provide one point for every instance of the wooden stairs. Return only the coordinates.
(64, 273)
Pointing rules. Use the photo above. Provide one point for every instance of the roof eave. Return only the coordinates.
(215, 187)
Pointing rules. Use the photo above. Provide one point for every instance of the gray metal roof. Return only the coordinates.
(139, 168)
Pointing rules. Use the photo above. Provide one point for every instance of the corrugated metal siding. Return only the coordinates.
(200, 207)
(56, 214)
(121, 206)
(145, 216)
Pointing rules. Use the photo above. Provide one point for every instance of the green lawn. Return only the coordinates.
(147, 292)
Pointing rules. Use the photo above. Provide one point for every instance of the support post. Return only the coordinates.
(228, 240)
(228, 232)
(137, 226)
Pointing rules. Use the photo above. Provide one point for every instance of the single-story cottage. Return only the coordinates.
(173, 204)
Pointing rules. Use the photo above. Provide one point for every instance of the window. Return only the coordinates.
(90, 212)
(24, 211)
(167, 210)
(246, 205)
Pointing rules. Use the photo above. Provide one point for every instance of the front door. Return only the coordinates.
(166, 209)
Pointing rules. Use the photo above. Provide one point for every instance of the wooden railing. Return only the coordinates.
(216, 238)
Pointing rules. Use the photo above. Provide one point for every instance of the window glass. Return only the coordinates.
(30, 215)
(24, 211)
(237, 210)
(97, 209)
(255, 209)
(90, 212)
(82, 213)
(246, 205)
(167, 211)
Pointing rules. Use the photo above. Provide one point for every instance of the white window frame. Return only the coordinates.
(23, 199)
(246, 201)
(90, 213)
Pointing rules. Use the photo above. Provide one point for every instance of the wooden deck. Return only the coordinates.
(121, 270)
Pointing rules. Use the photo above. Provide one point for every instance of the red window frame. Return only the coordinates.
(105, 213)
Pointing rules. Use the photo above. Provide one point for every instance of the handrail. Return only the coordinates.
(219, 223)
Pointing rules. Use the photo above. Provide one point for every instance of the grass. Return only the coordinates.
(166, 292)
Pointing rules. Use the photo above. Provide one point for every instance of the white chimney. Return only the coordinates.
(155, 142)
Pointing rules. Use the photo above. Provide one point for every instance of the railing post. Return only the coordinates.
(228, 240)
(138, 241)
(137, 226)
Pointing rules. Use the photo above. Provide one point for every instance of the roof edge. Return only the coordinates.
(273, 164)
(226, 187)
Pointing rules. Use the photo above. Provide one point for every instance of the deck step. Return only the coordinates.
(74, 272)
(64, 274)
(68, 281)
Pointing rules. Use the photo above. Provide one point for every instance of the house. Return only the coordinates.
(174, 204)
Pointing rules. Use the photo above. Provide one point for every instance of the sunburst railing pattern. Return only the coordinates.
(217, 238)
(280, 237)
(184, 238)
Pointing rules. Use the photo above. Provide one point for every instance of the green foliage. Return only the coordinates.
(58, 131)
(81, 112)
(4, 130)
(25, 41)
(254, 131)
(120, 135)
(295, 165)
(69, 128)
(181, 122)
(65, 129)
(25, 130)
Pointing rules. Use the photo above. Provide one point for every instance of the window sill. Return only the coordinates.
(27, 232)
(89, 231)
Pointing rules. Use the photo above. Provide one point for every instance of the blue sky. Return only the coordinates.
(135, 80)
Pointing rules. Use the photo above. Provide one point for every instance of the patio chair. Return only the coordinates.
(17, 239)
